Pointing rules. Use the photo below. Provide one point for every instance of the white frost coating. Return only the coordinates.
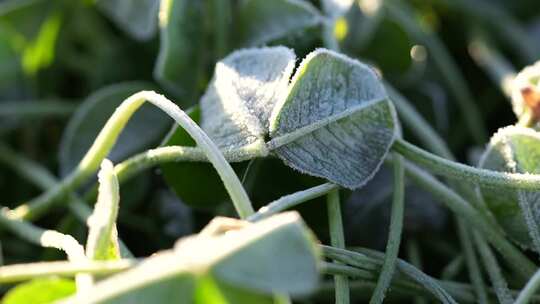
(102, 240)
(64, 242)
(246, 86)
(336, 122)
(517, 211)
(528, 77)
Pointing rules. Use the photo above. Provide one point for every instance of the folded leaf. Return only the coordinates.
(137, 17)
(515, 150)
(336, 122)
(247, 84)
(102, 241)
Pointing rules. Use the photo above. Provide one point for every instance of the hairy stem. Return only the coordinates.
(463, 209)
(337, 238)
(394, 236)
(106, 140)
(465, 173)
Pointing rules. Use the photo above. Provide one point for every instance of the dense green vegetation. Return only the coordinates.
(269, 151)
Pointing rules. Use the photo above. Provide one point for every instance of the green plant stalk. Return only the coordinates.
(44, 238)
(452, 269)
(475, 273)
(39, 176)
(370, 261)
(291, 200)
(337, 239)
(106, 140)
(23, 272)
(394, 236)
(494, 271)
(431, 139)
(147, 159)
(462, 208)
(446, 66)
(465, 173)
(528, 291)
(413, 253)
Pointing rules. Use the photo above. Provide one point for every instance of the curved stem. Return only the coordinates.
(42, 178)
(44, 238)
(494, 271)
(459, 206)
(107, 138)
(291, 200)
(475, 273)
(461, 172)
(394, 236)
(337, 238)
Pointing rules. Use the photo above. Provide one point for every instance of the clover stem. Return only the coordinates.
(337, 239)
(394, 236)
(106, 140)
(468, 213)
(465, 173)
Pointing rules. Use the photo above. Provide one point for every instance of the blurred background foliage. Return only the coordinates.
(76, 60)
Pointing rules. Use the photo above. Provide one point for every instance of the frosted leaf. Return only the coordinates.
(529, 77)
(336, 122)
(245, 88)
(248, 256)
(516, 150)
(137, 17)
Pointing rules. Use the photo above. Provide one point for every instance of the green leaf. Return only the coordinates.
(180, 63)
(275, 255)
(261, 21)
(336, 122)
(144, 130)
(247, 84)
(515, 150)
(40, 291)
(136, 17)
(102, 243)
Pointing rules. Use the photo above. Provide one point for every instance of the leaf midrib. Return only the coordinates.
(287, 138)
